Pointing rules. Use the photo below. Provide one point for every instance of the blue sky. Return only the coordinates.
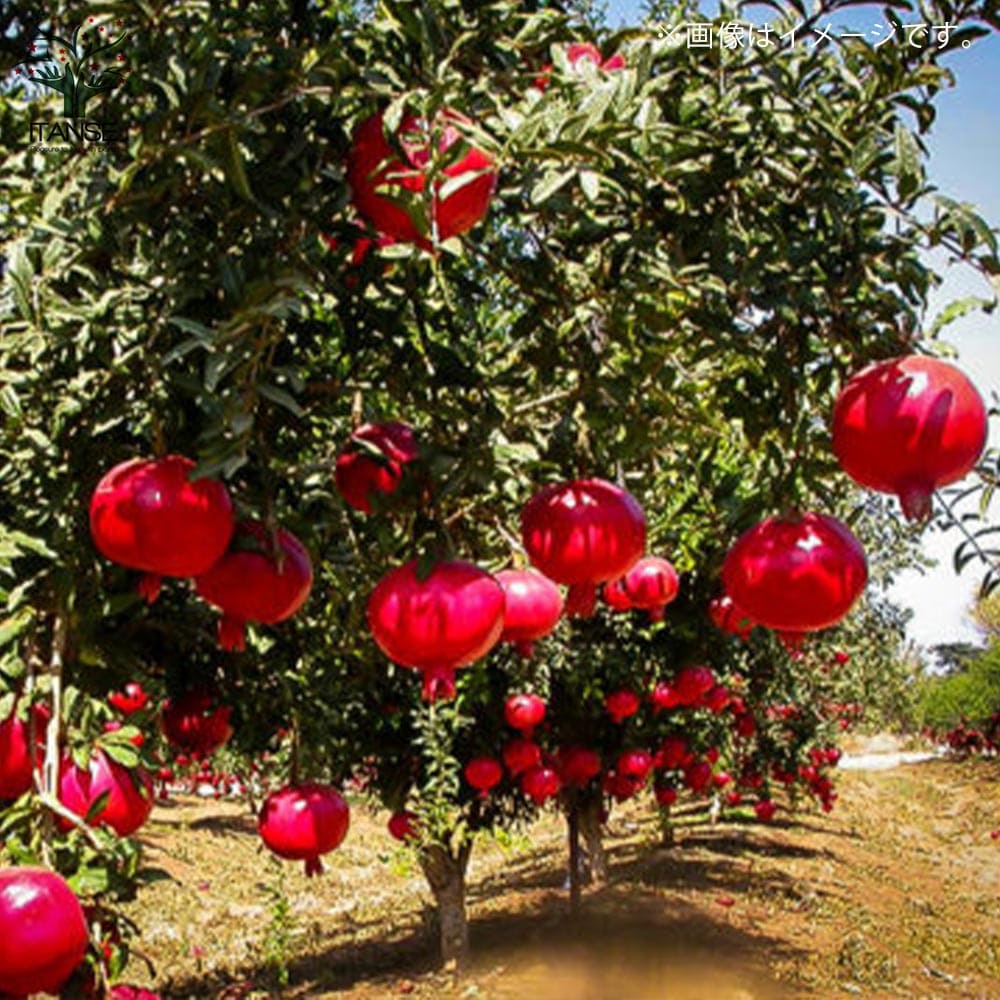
(964, 149)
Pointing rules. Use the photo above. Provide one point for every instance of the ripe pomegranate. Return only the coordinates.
(692, 684)
(129, 793)
(634, 764)
(15, 757)
(615, 597)
(664, 696)
(252, 582)
(674, 753)
(698, 776)
(540, 784)
(765, 810)
(303, 821)
(524, 712)
(372, 164)
(907, 426)
(483, 773)
(717, 699)
(730, 617)
(622, 704)
(581, 52)
(621, 786)
(532, 610)
(196, 722)
(841, 658)
(403, 826)
(651, 584)
(149, 515)
(796, 574)
(449, 619)
(578, 765)
(133, 699)
(581, 534)
(521, 755)
(43, 932)
(370, 466)
(665, 794)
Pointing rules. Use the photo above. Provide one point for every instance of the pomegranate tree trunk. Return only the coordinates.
(445, 874)
(573, 830)
(589, 820)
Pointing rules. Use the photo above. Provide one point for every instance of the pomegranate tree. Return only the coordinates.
(302, 822)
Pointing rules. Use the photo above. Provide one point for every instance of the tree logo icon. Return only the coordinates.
(89, 62)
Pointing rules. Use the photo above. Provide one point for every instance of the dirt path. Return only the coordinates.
(896, 894)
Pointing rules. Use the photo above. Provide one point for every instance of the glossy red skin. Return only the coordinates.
(372, 164)
(665, 795)
(196, 722)
(403, 826)
(622, 704)
(148, 515)
(692, 683)
(448, 620)
(635, 764)
(130, 793)
(540, 784)
(133, 699)
(651, 584)
(578, 766)
(621, 786)
(908, 426)
(360, 477)
(532, 609)
(247, 584)
(796, 574)
(582, 533)
(43, 932)
(765, 810)
(302, 822)
(16, 775)
(521, 755)
(698, 776)
(729, 617)
(664, 696)
(524, 711)
(674, 753)
(483, 773)
(615, 597)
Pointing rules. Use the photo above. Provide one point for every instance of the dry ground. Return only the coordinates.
(896, 894)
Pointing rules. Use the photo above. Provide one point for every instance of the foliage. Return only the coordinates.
(971, 694)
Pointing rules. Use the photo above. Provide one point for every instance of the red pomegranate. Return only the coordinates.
(449, 619)
(301, 822)
(540, 783)
(524, 712)
(907, 426)
(664, 696)
(665, 794)
(370, 466)
(403, 826)
(621, 787)
(43, 932)
(580, 52)
(796, 574)
(674, 753)
(765, 810)
(692, 684)
(149, 515)
(729, 617)
(129, 793)
(133, 699)
(196, 722)
(622, 704)
(15, 758)
(651, 584)
(615, 597)
(521, 755)
(372, 165)
(533, 607)
(581, 534)
(483, 773)
(698, 776)
(253, 583)
(635, 764)
(578, 766)
(717, 699)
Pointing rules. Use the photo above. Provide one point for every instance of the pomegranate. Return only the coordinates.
(651, 584)
(621, 786)
(717, 699)
(729, 617)
(520, 755)
(907, 426)
(524, 712)
(698, 776)
(370, 466)
(129, 793)
(252, 582)
(133, 699)
(692, 684)
(841, 658)
(196, 722)
(578, 765)
(532, 610)
(150, 515)
(540, 784)
(765, 810)
(664, 696)
(483, 773)
(43, 932)
(581, 534)
(674, 753)
(665, 794)
(449, 619)
(622, 704)
(303, 821)
(15, 758)
(635, 764)
(403, 826)
(581, 52)
(796, 574)
(372, 165)
(615, 597)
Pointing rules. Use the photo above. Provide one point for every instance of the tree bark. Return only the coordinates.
(589, 818)
(445, 874)
(573, 829)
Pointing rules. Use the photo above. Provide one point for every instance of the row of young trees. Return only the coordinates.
(683, 260)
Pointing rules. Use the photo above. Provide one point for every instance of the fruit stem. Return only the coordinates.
(439, 682)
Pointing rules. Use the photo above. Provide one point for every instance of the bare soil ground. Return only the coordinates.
(896, 894)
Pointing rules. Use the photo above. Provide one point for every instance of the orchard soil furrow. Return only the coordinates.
(896, 894)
